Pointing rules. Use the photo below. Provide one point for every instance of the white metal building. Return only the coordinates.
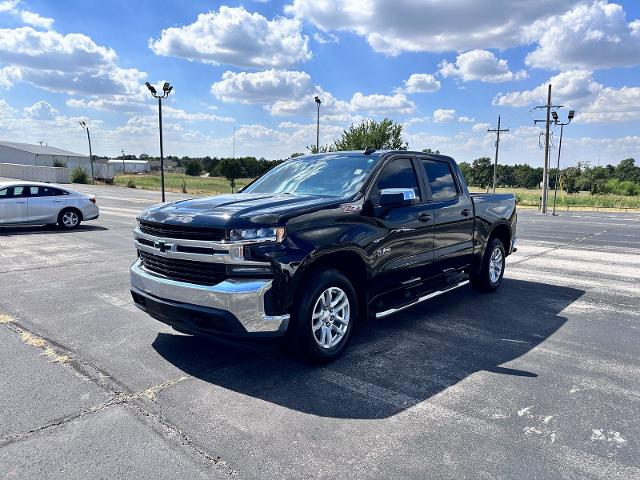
(40, 155)
(133, 166)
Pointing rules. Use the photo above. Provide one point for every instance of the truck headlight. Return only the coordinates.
(275, 234)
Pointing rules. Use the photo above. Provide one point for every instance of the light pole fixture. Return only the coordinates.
(84, 125)
(572, 113)
(166, 89)
(318, 102)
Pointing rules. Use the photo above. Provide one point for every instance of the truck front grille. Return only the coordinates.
(178, 231)
(201, 273)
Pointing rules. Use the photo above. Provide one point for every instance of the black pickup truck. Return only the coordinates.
(317, 244)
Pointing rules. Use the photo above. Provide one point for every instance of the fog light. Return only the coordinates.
(249, 270)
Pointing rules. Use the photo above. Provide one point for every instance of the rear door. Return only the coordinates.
(45, 203)
(402, 257)
(13, 204)
(453, 220)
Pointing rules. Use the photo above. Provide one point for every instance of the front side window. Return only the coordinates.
(17, 192)
(443, 186)
(4, 192)
(332, 175)
(398, 174)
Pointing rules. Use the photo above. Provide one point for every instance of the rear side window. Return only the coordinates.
(443, 186)
(44, 192)
(13, 192)
(398, 174)
(4, 192)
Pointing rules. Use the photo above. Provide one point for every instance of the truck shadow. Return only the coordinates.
(9, 231)
(394, 363)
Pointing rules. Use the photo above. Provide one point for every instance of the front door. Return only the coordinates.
(453, 220)
(403, 255)
(13, 204)
(44, 203)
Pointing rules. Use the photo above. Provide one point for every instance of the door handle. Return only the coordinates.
(57, 201)
(424, 217)
(465, 212)
(21, 202)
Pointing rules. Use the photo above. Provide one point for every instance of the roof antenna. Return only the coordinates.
(369, 150)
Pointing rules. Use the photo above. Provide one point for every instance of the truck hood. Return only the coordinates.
(241, 210)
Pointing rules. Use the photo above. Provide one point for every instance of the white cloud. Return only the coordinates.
(612, 105)
(30, 18)
(442, 115)
(286, 92)
(71, 63)
(480, 65)
(41, 110)
(464, 119)
(36, 20)
(480, 127)
(179, 114)
(261, 87)
(421, 83)
(594, 35)
(235, 36)
(392, 26)
(326, 38)
(382, 104)
(572, 88)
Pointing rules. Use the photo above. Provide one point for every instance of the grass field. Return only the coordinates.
(173, 183)
(531, 198)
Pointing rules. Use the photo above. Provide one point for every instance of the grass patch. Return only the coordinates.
(176, 182)
(531, 198)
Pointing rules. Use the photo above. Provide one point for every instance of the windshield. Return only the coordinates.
(330, 175)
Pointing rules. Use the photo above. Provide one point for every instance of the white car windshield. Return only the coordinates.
(333, 175)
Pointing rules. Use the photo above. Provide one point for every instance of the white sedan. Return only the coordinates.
(33, 203)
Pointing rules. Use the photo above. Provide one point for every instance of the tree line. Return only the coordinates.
(621, 179)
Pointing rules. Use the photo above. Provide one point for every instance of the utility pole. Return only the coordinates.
(545, 172)
(84, 125)
(123, 169)
(495, 164)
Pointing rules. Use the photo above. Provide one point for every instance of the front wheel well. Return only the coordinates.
(351, 265)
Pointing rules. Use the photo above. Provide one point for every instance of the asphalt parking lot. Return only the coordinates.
(540, 380)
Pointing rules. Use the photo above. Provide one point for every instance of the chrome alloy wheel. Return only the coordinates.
(70, 219)
(496, 264)
(330, 318)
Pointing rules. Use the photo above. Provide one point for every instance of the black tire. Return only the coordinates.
(485, 280)
(69, 218)
(303, 338)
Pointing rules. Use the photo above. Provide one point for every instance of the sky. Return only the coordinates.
(445, 69)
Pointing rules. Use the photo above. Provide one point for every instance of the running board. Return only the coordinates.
(437, 293)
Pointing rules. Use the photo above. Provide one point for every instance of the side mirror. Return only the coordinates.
(395, 197)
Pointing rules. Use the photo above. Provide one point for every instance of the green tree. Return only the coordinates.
(482, 172)
(193, 168)
(322, 149)
(627, 170)
(465, 168)
(428, 150)
(384, 135)
(231, 169)
(296, 154)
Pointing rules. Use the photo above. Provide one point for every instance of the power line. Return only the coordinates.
(495, 164)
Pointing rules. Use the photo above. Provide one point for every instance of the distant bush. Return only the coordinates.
(131, 183)
(619, 187)
(193, 168)
(79, 175)
(58, 163)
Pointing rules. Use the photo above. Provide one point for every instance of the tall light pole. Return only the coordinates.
(84, 125)
(318, 102)
(555, 119)
(166, 89)
(495, 165)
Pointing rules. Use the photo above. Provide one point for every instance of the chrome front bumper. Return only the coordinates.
(242, 298)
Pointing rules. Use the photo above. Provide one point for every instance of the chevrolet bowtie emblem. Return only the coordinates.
(160, 246)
